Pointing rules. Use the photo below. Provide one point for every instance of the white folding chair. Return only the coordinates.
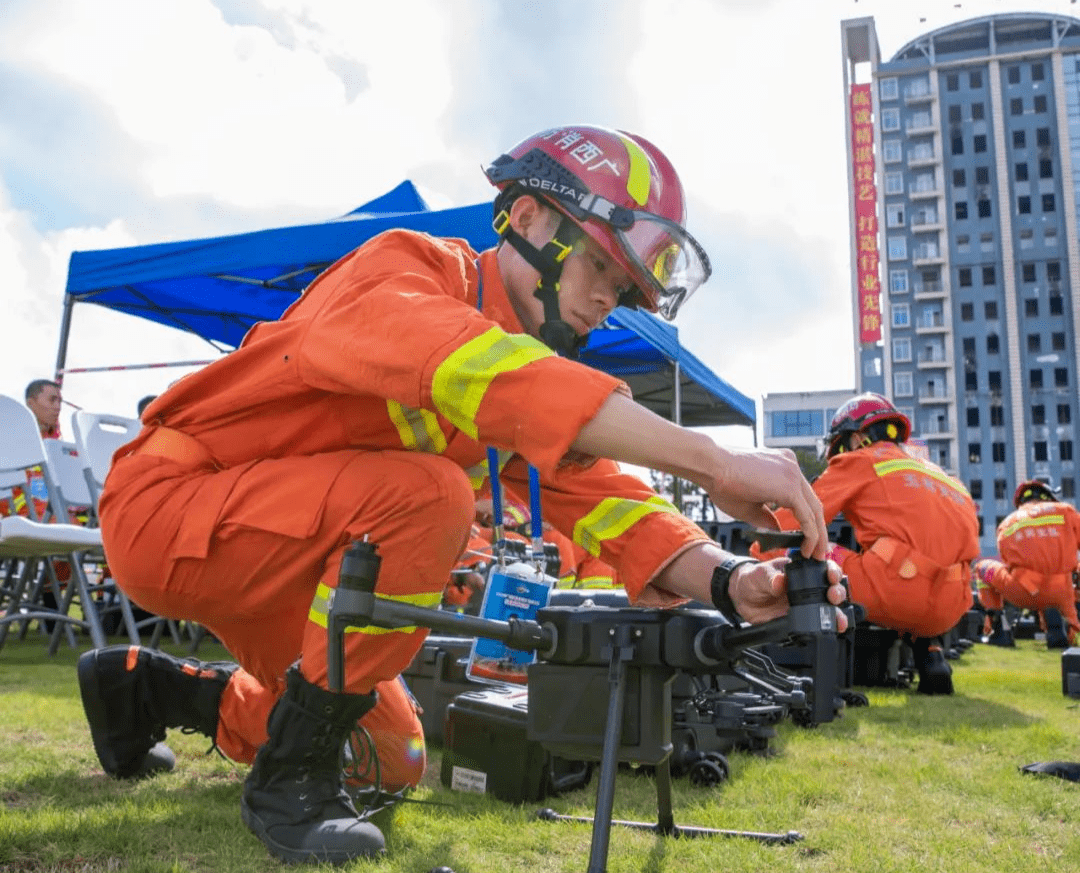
(97, 437)
(32, 540)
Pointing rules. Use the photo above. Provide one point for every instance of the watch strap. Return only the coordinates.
(721, 579)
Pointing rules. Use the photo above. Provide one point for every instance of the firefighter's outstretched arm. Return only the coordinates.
(739, 481)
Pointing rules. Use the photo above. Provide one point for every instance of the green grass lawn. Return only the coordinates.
(907, 784)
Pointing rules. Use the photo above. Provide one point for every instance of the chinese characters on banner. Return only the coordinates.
(866, 215)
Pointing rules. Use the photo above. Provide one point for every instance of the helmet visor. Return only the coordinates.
(670, 265)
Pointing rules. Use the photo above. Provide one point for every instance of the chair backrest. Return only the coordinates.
(97, 436)
(21, 447)
(67, 472)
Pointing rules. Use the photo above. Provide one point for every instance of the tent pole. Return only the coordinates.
(65, 331)
(676, 416)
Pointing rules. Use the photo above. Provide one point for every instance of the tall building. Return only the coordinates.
(964, 174)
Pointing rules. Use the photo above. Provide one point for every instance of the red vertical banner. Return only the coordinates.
(866, 214)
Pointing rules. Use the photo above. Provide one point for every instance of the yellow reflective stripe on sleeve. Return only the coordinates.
(1041, 521)
(638, 177)
(478, 473)
(418, 428)
(612, 517)
(461, 381)
(900, 465)
(320, 607)
(596, 582)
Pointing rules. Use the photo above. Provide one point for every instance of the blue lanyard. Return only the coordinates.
(535, 521)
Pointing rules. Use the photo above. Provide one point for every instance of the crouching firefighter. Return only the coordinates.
(366, 410)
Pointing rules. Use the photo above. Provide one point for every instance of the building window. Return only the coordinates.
(967, 311)
(1065, 450)
(1035, 379)
(978, 143)
(975, 453)
(890, 119)
(956, 145)
(1053, 271)
(952, 82)
(901, 315)
(1046, 170)
(1016, 106)
(901, 349)
(963, 277)
(998, 452)
(993, 380)
(990, 310)
(993, 344)
(1040, 103)
(897, 248)
(997, 416)
(989, 275)
(1057, 341)
(894, 183)
(1061, 377)
(888, 89)
(969, 346)
(1039, 450)
(1023, 204)
(1000, 485)
(1034, 343)
(975, 79)
(1038, 414)
(1057, 304)
(954, 114)
(977, 112)
(1042, 136)
(963, 243)
(898, 281)
(973, 416)
(1027, 271)
(798, 422)
(971, 381)
(960, 208)
(982, 175)
(1068, 486)
(959, 180)
(894, 214)
(1031, 307)
(984, 209)
(1064, 413)
(1049, 236)
(1048, 202)
(902, 385)
(1020, 172)
(1014, 74)
(1019, 140)
(892, 151)
(975, 489)
(1037, 72)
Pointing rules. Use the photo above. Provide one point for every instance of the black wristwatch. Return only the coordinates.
(721, 576)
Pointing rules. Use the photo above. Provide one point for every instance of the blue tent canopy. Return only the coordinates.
(217, 288)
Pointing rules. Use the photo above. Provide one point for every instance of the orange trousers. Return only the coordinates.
(918, 606)
(255, 588)
(1027, 589)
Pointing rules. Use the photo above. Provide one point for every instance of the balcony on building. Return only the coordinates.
(925, 254)
(922, 157)
(917, 93)
(932, 359)
(930, 322)
(934, 394)
(924, 190)
(926, 218)
(920, 123)
(929, 289)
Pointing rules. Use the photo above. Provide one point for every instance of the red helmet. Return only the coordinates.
(860, 414)
(1033, 490)
(623, 192)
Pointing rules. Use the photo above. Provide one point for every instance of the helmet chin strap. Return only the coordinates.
(559, 336)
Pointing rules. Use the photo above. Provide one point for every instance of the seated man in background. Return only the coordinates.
(916, 527)
(1038, 545)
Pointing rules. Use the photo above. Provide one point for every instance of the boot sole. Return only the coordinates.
(297, 856)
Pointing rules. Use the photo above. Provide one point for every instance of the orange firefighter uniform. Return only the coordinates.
(918, 532)
(1038, 545)
(364, 411)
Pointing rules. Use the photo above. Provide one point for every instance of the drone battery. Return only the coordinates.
(435, 677)
(1070, 672)
(486, 749)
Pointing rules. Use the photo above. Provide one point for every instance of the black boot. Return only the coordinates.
(1056, 629)
(1001, 634)
(294, 800)
(935, 674)
(132, 694)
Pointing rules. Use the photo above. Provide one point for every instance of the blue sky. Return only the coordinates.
(124, 122)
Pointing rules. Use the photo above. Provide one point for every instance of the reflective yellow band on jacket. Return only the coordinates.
(596, 582)
(478, 473)
(320, 607)
(1041, 521)
(900, 465)
(612, 517)
(461, 381)
(419, 429)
